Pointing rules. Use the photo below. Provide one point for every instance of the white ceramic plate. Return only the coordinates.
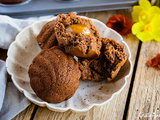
(22, 51)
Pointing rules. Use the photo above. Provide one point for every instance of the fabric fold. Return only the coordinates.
(10, 27)
(3, 81)
(12, 102)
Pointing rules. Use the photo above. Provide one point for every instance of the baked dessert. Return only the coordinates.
(54, 75)
(78, 36)
(114, 52)
(108, 64)
(11, 1)
(47, 38)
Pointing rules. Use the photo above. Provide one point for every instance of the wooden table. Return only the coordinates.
(140, 99)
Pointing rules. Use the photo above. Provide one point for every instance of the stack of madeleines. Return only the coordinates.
(54, 73)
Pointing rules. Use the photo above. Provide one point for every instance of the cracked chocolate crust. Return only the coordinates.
(54, 75)
(107, 66)
(97, 70)
(114, 52)
(78, 44)
(47, 38)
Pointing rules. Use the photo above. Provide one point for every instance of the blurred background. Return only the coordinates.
(24, 8)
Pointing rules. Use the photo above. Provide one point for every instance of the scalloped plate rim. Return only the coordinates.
(45, 104)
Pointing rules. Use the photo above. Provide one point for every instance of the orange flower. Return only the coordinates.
(154, 61)
(120, 24)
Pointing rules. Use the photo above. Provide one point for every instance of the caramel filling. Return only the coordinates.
(78, 28)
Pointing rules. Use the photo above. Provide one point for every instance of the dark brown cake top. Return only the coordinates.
(47, 38)
(54, 75)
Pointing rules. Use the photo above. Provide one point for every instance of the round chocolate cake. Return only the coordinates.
(54, 75)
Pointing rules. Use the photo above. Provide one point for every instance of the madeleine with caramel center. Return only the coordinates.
(78, 36)
(78, 28)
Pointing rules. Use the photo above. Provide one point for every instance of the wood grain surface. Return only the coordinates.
(114, 110)
(145, 95)
(26, 114)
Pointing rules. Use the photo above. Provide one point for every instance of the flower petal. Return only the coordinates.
(144, 36)
(155, 23)
(113, 19)
(158, 57)
(135, 13)
(127, 25)
(156, 34)
(120, 24)
(120, 17)
(137, 27)
(154, 10)
(154, 61)
(110, 25)
(145, 4)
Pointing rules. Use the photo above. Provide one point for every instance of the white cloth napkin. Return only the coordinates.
(10, 27)
(12, 101)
